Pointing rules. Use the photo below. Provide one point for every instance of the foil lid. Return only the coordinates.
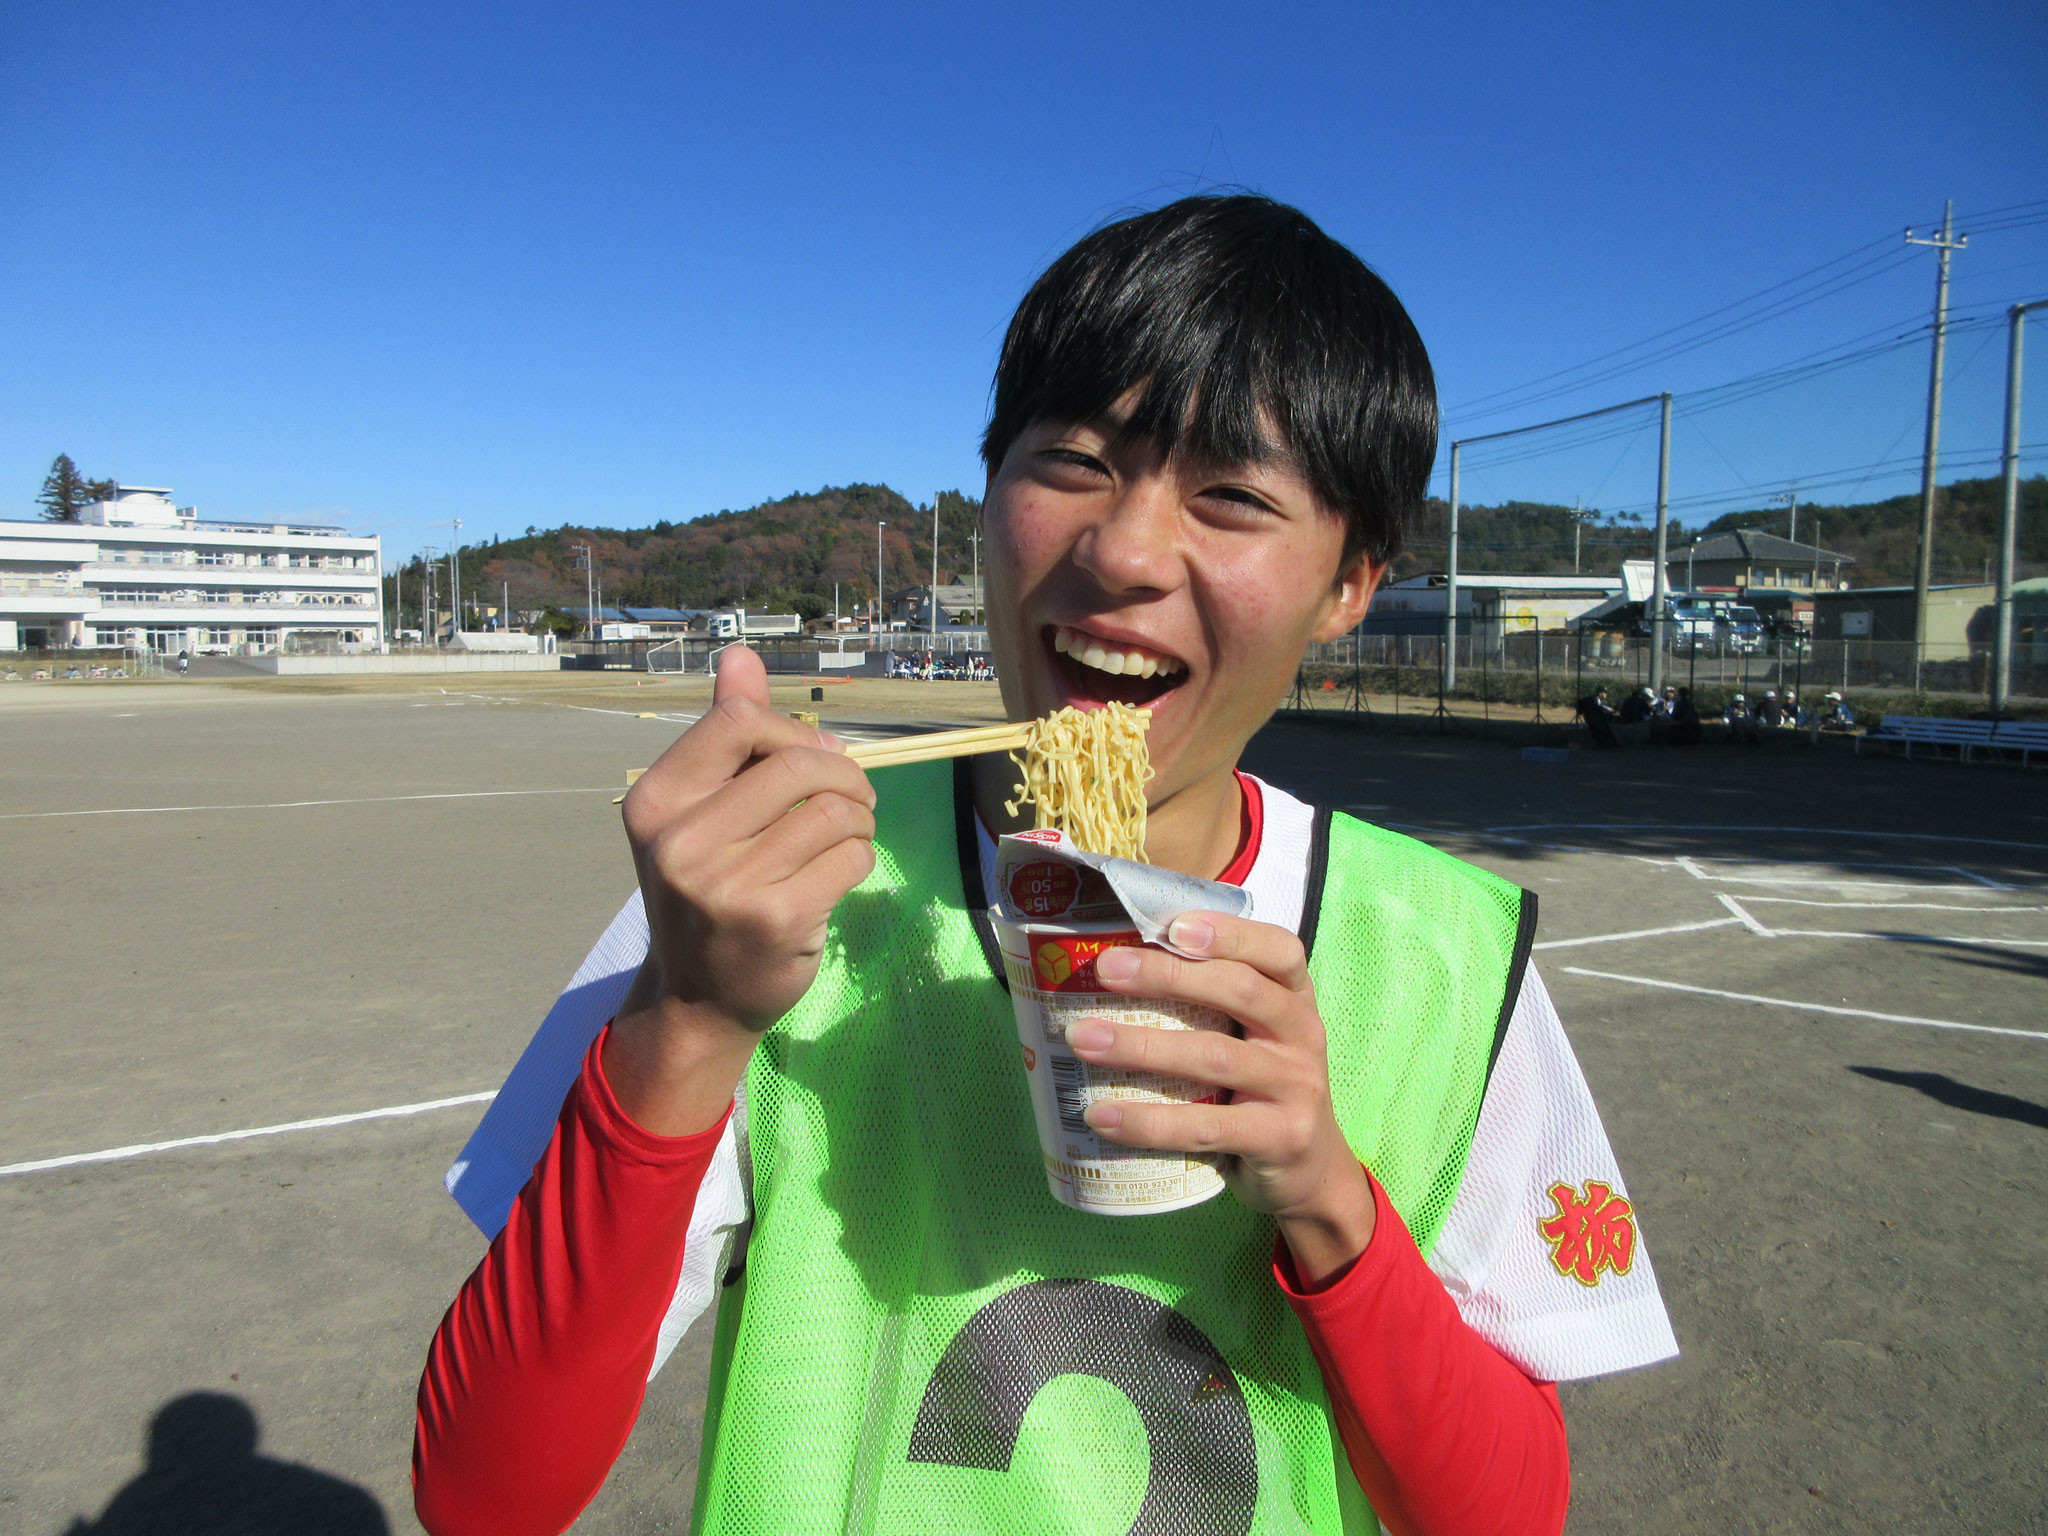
(1042, 876)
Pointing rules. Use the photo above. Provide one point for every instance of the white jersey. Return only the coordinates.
(1520, 1251)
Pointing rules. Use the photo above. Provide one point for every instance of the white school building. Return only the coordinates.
(140, 572)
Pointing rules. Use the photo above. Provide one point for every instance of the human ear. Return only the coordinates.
(1350, 597)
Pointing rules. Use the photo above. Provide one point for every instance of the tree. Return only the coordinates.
(66, 492)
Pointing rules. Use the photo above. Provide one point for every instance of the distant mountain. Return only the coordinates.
(787, 553)
(1881, 536)
(783, 554)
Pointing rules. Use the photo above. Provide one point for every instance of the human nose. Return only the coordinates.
(1134, 545)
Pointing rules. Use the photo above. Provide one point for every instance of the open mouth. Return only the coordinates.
(1113, 672)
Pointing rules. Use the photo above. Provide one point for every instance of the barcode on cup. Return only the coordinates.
(1070, 1092)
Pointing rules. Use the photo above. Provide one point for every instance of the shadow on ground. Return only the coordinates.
(204, 1477)
(1944, 1089)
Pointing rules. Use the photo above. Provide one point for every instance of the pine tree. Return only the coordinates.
(65, 491)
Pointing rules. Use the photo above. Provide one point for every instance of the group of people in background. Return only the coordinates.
(929, 665)
(1672, 719)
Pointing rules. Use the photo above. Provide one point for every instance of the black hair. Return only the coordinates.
(1224, 308)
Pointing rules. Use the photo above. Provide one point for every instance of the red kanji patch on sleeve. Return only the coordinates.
(1592, 1231)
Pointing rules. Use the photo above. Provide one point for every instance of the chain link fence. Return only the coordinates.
(1529, 673)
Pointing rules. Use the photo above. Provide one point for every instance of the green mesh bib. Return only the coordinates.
(924, 1340)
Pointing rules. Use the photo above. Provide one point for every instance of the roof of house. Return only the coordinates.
(1490, 580)
(656, 615)
(1749, 544)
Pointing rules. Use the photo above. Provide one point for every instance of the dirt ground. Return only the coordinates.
(1807, 989)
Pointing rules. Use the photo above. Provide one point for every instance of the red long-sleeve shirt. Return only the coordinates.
(537, 1372)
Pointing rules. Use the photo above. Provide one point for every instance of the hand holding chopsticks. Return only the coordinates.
(934, 745)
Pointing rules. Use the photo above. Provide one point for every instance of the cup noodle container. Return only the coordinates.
(1050, 965)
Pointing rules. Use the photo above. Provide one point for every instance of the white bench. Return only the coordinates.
(1909, 731)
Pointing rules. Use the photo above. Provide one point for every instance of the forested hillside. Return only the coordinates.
(1880, 536)
(786, 554)
(783, 554)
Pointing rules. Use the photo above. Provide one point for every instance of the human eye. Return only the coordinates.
(1067, 465)
(1238, 502)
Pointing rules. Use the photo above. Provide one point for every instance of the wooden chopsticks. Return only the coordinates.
(933, 745)
(925, 748)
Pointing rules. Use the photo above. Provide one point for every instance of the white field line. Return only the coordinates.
(1783, 1002)
(298, 805)
(1884, 906)
(1637, 933)
(1906, 938)
(1659, 826)
(323, 1122)
(1743, 917)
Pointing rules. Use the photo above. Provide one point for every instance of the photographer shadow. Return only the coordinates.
(204, 1477)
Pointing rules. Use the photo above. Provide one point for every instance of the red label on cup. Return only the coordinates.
(1043, 889)
(1065, 962)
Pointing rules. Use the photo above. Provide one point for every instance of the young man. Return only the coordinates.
(785, 1078)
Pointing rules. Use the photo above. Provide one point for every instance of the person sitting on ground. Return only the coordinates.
(803, 1104)
(1836, 715)
(1794, 715)
(1599, 718)
(1770, 712)
(1636, 708)
(1685, 721)
(1741, 722)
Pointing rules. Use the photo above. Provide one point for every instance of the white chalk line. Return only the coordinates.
(298, 805)
(1782, 1002)
(1661, 826)
(1637, 933)
(323, 1122)
(1907, 938)
(1882, 906)
(1743, 917)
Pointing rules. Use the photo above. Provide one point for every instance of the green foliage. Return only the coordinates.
(1883, 537)
(784, 554)
(66, 492)
(553, 621)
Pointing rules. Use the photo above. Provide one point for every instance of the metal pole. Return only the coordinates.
(1448, 671)
(875, 622)
(980, 618)
(1659, 585)
(455, 582)
(2008, 512)
(1923, 567)
(935, 569)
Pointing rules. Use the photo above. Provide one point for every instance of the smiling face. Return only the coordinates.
(1184, 589)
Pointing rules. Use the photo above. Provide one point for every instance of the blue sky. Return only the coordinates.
(394, 264)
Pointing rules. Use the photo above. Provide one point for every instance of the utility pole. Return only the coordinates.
(455, 581)
(1923, 569)
(875, 624)
(935, 569)
(2009, 509)
(1660, 595)
(1449, 670)
(1578, 527)
(980, 617)
(589, 603)
(397, 599)
(505, 611)
(1791, 500)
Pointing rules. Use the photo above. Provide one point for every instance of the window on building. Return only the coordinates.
(106, 634)
(261, 636)
(218, 637)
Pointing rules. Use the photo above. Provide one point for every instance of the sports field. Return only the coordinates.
(1808, 990)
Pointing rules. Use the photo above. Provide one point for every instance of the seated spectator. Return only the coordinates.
(1794, 715)
(1637, 707)
(1770, 712)
(1740, 722)
(1835, 714)
(1685, 721)
(1593, 709)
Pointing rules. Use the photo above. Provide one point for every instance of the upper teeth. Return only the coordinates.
(1120, 662)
